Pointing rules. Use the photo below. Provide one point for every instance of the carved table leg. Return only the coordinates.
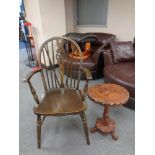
(105, 124)
(93, 130)
(106, 112)
(114, 136)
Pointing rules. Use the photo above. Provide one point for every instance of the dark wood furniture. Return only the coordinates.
(62, 93)
(99, 42)
(108, 95)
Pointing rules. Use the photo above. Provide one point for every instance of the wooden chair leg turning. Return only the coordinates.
(85, 126)
(39, 131)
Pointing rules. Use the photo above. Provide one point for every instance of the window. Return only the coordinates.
(91, 12)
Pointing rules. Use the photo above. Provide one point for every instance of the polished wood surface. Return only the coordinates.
(107, 94)
(62, 95)
(61, 101)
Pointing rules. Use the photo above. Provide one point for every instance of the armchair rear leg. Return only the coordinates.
(84, 121)
(39, 131)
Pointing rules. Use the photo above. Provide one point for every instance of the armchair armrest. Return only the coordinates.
(30, 74)
(100, 50)
(107, 58)
(27, 79)
(97, 54)
(98, 60)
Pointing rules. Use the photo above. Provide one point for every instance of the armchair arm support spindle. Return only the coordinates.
(33, 92)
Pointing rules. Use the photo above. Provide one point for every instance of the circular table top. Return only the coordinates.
(107, 93)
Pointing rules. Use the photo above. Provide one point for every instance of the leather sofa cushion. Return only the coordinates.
(122, 51)
(122, 74)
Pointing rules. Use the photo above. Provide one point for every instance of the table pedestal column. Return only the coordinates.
(105, 124)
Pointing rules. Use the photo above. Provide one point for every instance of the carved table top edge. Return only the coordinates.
(108, 94)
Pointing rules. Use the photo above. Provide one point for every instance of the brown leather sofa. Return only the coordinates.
(99, 42)
(119, 67)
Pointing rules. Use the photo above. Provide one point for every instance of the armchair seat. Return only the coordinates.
(122, 74)
(60, 101)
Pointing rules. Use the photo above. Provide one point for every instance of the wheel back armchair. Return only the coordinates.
(63, 95)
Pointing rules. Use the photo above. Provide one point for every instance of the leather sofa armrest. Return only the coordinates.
(108, 60)
(96, 55)
(97, 58)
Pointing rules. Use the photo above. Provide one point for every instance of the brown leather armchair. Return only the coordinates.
(119, 62)
(99, 42)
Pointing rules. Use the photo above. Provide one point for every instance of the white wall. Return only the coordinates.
(69, 12)
(53, 17)
(47, 18)
(33, 15)
(121, 20)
